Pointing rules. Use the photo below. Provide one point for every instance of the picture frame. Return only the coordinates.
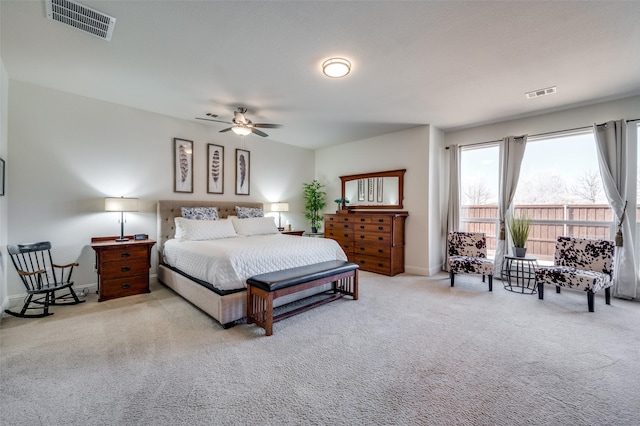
(2, 164)
(215, 169)
(380, 195)
(360, 189)
(243, 171)
(183, 165)
(371, 184)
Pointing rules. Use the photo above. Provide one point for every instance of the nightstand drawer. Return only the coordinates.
(128, 286)
(125, 252)
(125, 268)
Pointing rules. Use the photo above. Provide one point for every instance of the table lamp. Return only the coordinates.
(280, 207)
(121, 205)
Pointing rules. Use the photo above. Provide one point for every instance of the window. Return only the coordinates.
(479, 168)
(561, 191)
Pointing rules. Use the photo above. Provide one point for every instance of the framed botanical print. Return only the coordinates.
(360, 189)
(215, 169)
(370, 189)
(243, 171)
(380, 196)
(183, 165)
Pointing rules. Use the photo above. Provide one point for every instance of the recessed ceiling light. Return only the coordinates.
(336, 67)
(541, 92)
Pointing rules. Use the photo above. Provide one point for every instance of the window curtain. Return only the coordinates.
(611, 140)
(453, 214)
(511, 154)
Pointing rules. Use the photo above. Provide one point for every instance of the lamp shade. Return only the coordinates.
(280, 207)
(120, 204)
(241, 130)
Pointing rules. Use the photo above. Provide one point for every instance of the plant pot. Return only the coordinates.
(314, 230)
(519, 251)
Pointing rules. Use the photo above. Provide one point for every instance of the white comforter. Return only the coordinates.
(227, 263)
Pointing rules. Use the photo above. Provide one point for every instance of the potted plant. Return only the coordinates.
(519, 228)
(314, 202)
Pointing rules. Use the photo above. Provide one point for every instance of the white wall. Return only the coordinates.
(69, 152)
(627, 108)
(4, 100)
(408, 149)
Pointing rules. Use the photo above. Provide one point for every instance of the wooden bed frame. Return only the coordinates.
(226, 309)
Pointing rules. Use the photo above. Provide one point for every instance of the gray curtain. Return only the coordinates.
(611, 141)
(511, 154)
(453, 213)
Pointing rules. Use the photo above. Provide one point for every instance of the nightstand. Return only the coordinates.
(123, 267)
(298, 233)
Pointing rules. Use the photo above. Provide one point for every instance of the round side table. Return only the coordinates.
(519, 273)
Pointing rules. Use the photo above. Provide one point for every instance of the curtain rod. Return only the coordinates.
(542, 134)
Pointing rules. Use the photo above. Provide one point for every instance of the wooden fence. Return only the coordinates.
(570, 221)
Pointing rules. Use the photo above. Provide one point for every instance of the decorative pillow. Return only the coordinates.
(255, 226)
(247, 212)
(196, 230)
(200, 213)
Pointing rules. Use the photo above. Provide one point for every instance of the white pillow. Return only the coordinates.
(255, 226)
(196, 230)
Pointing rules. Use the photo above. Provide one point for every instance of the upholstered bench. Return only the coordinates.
(263, 289)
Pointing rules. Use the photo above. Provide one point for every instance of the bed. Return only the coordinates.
(218, 285)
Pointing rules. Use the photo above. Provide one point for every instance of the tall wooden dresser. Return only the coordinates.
(373, 240)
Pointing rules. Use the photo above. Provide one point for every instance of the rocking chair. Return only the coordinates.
(42, 278)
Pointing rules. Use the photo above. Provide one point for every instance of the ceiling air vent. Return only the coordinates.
(81, 17)
(540, 92)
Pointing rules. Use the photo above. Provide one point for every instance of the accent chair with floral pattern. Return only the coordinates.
(468, 255)
(579, 263)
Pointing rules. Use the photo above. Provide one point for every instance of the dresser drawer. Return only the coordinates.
(123, 253)
(373, 219)
(347, 246)
(338, 218)
(337, 226)
(127, 286)
(373, 227)
(124, 267)
(339, 235)
(372, 237)
(376, 250)
(373, 264)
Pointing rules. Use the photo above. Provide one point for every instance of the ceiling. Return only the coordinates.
(450, 64)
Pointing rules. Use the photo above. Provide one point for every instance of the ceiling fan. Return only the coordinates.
(241, 125)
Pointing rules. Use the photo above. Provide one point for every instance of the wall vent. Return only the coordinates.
(541, 92)
(81, 17)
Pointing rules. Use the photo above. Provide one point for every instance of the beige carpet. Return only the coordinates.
(411, 351)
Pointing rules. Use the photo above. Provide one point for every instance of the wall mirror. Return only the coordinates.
(377, 190)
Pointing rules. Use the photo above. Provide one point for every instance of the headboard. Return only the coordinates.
(169, 209)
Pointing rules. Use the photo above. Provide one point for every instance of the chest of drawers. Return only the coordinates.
(375, 240)
(123, 267)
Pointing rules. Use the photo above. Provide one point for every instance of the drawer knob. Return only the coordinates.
(380, 238)
(125, 254)
(380, 228)
(380, 265)
(126, 268)
(126, 285)
(380, 251)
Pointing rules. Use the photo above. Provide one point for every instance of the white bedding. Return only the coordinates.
(227, 263)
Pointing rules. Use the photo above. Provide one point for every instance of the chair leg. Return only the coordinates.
(451, 274)
(490, 282)
(590, 300)
(607, 295)
(23, 314)
(483, 278)
(558, 289)
(541, 291)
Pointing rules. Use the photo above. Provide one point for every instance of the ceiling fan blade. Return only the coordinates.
(259, 132)
(226, 130)
(267, 125)
(209, 119)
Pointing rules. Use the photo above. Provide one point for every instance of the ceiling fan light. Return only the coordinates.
(241, 130)
(336, 67)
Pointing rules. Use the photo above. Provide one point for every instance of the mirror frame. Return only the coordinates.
(391, 173)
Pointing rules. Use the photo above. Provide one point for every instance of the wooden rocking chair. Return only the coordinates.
(42, 278)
